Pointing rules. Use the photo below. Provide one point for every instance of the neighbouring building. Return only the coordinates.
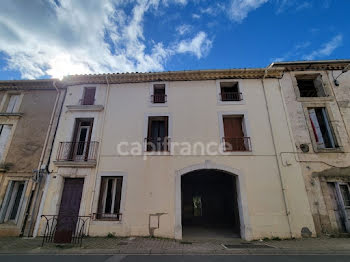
(29, 111)
(177, 154)
(317, 98)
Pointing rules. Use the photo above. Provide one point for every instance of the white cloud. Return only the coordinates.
(183, 29)
(327, 49)
(63, 37)
(239, 9)
(199, 45)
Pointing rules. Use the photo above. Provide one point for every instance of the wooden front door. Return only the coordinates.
(69, 209)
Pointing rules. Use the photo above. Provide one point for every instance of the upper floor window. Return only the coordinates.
(310, 85)
(88, 96)
(5, 132)
(11, 103)
(229, 91)
(322, 128)
(235, 138)
(159, 94)
(157, 135)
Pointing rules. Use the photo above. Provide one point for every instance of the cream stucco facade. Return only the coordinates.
(271, 196)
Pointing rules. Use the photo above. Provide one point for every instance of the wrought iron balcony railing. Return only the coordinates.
(159, 98)
(157, 144)
(232, 144)
(64, 228)
(231, 96)
(77, 151)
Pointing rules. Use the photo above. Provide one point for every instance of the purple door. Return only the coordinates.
(69, 209)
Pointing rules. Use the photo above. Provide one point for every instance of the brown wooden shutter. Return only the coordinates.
(89, 96)
(233, 132)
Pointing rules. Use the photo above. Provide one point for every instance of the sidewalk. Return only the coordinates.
(143, 245)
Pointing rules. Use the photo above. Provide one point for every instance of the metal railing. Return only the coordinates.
(232, 144)
(64, 229)
(157, 144)
(309, 93)
(77, 151)
(159, 98)
(231, 96)
(106, 216)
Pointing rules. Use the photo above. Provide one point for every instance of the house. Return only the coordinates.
(176, 154)
(29, 111)
(317, 99)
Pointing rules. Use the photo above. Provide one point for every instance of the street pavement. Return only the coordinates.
(173, 258)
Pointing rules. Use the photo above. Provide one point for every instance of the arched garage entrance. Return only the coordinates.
(209, 204)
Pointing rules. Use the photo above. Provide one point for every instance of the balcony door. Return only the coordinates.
(157, 133)
(82, 138)
(234, 134)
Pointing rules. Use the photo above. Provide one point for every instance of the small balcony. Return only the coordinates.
(77, 154)
(157, 144)
(231, 96)
(159, 98)
(237, 144)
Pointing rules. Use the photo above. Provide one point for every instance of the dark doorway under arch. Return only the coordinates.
(209, 205)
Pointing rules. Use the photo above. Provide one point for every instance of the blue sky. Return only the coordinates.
(53, 38)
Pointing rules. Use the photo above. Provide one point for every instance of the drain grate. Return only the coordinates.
(242, 246)
(186, 243)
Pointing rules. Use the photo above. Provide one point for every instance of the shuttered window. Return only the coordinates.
(89, 96)
(234, 138)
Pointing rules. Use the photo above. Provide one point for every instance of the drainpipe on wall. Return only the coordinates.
(278, 163)
(99, 149)
(48, 177)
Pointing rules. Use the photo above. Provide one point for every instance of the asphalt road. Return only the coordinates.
(173, 258)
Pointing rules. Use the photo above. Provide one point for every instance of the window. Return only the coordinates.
(11, 103)
(157, 135)
(229, 91)
(345, 193)
(110, 198)
(234, 137)
(88, 96)
(12, 202)
(159, 96)
(310, 86)
(322, 128)
(5, 132)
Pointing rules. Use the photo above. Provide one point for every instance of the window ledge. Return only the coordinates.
(85, 107)
(330, 150)
(12, 114)
(241, 102)
(90, 163)
(316, 99)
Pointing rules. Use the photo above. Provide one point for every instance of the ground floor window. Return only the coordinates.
(110, 198)
(13, 201)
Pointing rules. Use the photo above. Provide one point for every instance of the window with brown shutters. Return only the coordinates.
(234, 138)
(89, 96)
(157, 135)
(110, 198)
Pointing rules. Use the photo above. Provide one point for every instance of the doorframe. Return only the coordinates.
(245, 227)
